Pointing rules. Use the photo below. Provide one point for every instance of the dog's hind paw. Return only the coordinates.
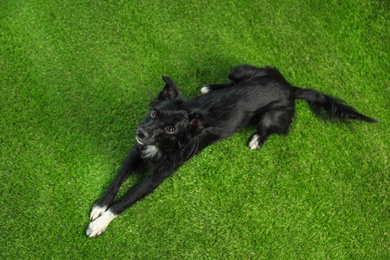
(97, 211)
(205, 90)
(255, 142)
(99, 225)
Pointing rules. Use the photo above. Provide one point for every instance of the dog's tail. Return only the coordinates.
(328, 107)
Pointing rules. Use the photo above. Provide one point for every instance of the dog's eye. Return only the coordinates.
(153, 113)
(170, 129)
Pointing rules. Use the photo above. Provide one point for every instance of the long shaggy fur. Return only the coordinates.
(177, 129)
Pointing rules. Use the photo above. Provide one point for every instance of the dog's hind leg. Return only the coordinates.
(240, 73)
(212, 87)
(275, 121)
(237, 74)
(247, 71)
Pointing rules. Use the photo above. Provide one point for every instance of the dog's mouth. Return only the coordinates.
(139, 141)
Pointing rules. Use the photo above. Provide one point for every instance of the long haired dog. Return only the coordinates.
(177, 129)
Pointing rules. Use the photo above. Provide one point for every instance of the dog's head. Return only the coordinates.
(169, 122)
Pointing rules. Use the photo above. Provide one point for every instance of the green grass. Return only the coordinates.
(76, 78)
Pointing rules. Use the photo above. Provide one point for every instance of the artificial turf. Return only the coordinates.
(76, 78)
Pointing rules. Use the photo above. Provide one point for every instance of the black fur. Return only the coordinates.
(177, 129)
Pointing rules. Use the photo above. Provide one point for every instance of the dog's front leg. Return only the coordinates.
(131, 163)
(99, 225)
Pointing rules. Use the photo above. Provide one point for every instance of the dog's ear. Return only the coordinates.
(170, 91)
(197, 122)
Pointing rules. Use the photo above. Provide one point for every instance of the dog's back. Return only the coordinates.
(262, 96)
(232, 107)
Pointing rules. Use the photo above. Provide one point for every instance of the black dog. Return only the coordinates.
(176, 130)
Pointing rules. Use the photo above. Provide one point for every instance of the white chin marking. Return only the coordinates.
(99, 225)
(254, 142)
(205, 90)
(150, 151)
(97, 211)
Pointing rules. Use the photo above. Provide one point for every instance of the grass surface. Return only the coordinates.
(76, 78)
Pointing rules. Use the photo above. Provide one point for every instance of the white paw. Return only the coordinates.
(99, 225)
(97, 211)
(205, 90)
(254, 142)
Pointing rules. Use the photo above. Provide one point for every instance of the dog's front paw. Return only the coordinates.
(205, 90)
(99, 225)
(97, 211)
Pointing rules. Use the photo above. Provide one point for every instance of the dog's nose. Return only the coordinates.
(141, 133)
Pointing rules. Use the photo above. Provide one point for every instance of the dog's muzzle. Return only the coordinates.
(140, 135)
